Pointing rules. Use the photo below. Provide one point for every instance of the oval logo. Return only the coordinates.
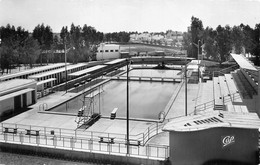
(227, 140)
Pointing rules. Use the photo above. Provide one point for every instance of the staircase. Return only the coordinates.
(219, 107)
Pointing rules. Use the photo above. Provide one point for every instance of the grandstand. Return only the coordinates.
(233, 90)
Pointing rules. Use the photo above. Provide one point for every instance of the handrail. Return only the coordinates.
(151, 131)
(107, 146)
(210, 104)
(225, 70)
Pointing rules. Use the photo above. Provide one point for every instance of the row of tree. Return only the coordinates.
(18, 46)
(220, 42)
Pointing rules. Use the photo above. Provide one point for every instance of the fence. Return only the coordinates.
(88, 141)
(224, 71)
(226, 99)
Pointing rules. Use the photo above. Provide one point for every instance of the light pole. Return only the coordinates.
(198, 60)
(65, 60)
(185, 74)
(127, 105)
(66, 72)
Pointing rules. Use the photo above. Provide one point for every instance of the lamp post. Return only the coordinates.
(65, 60)
(127, 107)
(66, 72)
(198, 60)
(185, 74)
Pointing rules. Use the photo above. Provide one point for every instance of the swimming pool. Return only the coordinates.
(158, 73)
(146, 99)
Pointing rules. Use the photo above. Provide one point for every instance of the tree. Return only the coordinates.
(196, 33)
(237, 37)
(43, 34)
(9, 46)
(32, 51)
(187, 43)
(248, 42)
(224, 44)
(210, 43)
(256, 50)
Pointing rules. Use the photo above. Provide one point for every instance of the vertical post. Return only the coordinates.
(185, 74)
(65, 56)
(198, 60)
(258, 95)
(99, 100)
(127, 106)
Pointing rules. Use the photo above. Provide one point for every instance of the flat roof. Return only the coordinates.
(33, 70)
(46, 81)
(88, 70)
(115, 61)
(14, 84)
(243, 62)
(11, 95)
(213, 119)
(69, 67)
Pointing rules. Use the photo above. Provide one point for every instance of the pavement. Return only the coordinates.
(47, 120)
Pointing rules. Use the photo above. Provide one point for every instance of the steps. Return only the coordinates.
(219, 107)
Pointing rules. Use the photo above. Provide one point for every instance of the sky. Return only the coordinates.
(128, 15)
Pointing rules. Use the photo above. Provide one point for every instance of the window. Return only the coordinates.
(106, 50)
(101, 51)
(111, 50)
(116, 50)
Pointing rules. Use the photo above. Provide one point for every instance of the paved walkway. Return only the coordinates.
(116, 128)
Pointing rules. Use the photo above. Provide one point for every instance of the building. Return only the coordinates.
(215, 137)
(15, 95)
(108, 52)
(25, 74)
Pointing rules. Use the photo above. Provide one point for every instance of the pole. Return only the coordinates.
(66, 74)
(198, 60)
(127, 107)
(185, 74)
(102, 53)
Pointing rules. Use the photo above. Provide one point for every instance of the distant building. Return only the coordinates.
(108, 51)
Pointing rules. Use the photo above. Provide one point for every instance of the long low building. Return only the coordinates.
(16, 95)
(25, 74)
(58, 74)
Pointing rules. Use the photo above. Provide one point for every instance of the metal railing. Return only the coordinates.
(230, 97)
(225, 71)
(88, 140)
(204, 106)
(88, 145)
(226, 99)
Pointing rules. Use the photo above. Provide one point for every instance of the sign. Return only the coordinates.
(227, 140)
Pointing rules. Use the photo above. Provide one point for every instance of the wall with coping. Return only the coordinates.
(78, 155)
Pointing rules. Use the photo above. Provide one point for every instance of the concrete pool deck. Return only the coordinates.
(36, 118)
(152, 148)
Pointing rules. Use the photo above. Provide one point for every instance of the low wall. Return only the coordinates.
(220, 145)
(77, 155)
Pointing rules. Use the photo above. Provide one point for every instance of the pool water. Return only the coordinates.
(146, 99)
(154, 73)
